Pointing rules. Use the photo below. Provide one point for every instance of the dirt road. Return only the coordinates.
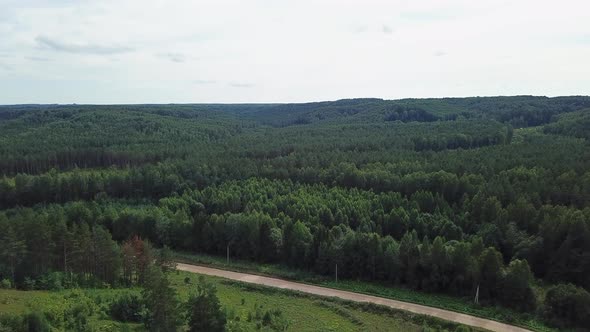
(322, 291)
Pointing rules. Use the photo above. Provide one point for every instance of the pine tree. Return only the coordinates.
(12, 250)
(161, 302)
(203, 310)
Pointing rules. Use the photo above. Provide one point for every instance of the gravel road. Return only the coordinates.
(351, 296)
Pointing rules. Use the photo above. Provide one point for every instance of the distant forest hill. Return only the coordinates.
(439, 195)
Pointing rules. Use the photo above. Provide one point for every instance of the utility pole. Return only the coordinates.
(336, 272)
(477, 295)
(228, 254)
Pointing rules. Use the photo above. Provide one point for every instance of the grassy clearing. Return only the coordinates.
(447, 302)
(53, 304)
(245, 305)
(305, 312)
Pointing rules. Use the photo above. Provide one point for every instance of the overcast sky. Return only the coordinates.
(143, 51)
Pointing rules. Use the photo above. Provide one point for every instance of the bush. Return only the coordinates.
(272, 319)
(78, 309)
(266, 319)
(51, 281)
(36, 322)
(568, 305)
(29, 284)
(126, 308)
(5, 284)
(11, 323)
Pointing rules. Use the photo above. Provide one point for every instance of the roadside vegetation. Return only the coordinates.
(463, 305)
(202, 304)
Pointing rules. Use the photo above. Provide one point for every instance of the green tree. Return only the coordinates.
(203, 310)
(409, 253)
(12, 250)
(490, 273)
(161, 303)
(106, 255)
(165, 259)
(515, 290)
(297, 243)
(568, 305)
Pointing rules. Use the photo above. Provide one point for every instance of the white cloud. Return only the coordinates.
(204, 82)
(174, 57)
(137, 51)
(37, 58)
(241, 85)
(61, 46)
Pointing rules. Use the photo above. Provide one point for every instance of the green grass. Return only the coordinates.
(242, 301)
(53, 304)
(447, 302)
(306, 312)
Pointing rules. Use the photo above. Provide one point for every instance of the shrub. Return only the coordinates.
(266, 319)
(29, 284)
(5, 284)
(126, 308)
(78, 309)
(51, 281)
(10, 323)
(36, 322)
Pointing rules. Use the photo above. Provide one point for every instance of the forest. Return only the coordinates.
(443, 196)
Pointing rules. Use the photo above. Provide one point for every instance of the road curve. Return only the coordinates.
(351, 296)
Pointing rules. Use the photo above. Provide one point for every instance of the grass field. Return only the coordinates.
(53, 304)
(457, 304)
(245, 305)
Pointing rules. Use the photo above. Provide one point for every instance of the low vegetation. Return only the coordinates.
(242, 307)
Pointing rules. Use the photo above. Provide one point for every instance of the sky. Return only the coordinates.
(144, 51)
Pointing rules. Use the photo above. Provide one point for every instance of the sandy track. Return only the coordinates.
(351, 296)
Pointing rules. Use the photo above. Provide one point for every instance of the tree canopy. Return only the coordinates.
(439, 195)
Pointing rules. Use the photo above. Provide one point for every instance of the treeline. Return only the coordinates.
(553, 239)
(89, 258)
(522, 111)
(538, 185)
(82, 158)
(460, 141)
(576, 124)
(37, 245)
(519, 111)
(405, 114)
(40, 250)
(397, 249)
(89, 137)
(150, 182)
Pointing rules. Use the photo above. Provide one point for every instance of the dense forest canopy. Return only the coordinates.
(441, 195)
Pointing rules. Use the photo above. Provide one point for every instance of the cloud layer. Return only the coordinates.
(156, 51)
(60, 46)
